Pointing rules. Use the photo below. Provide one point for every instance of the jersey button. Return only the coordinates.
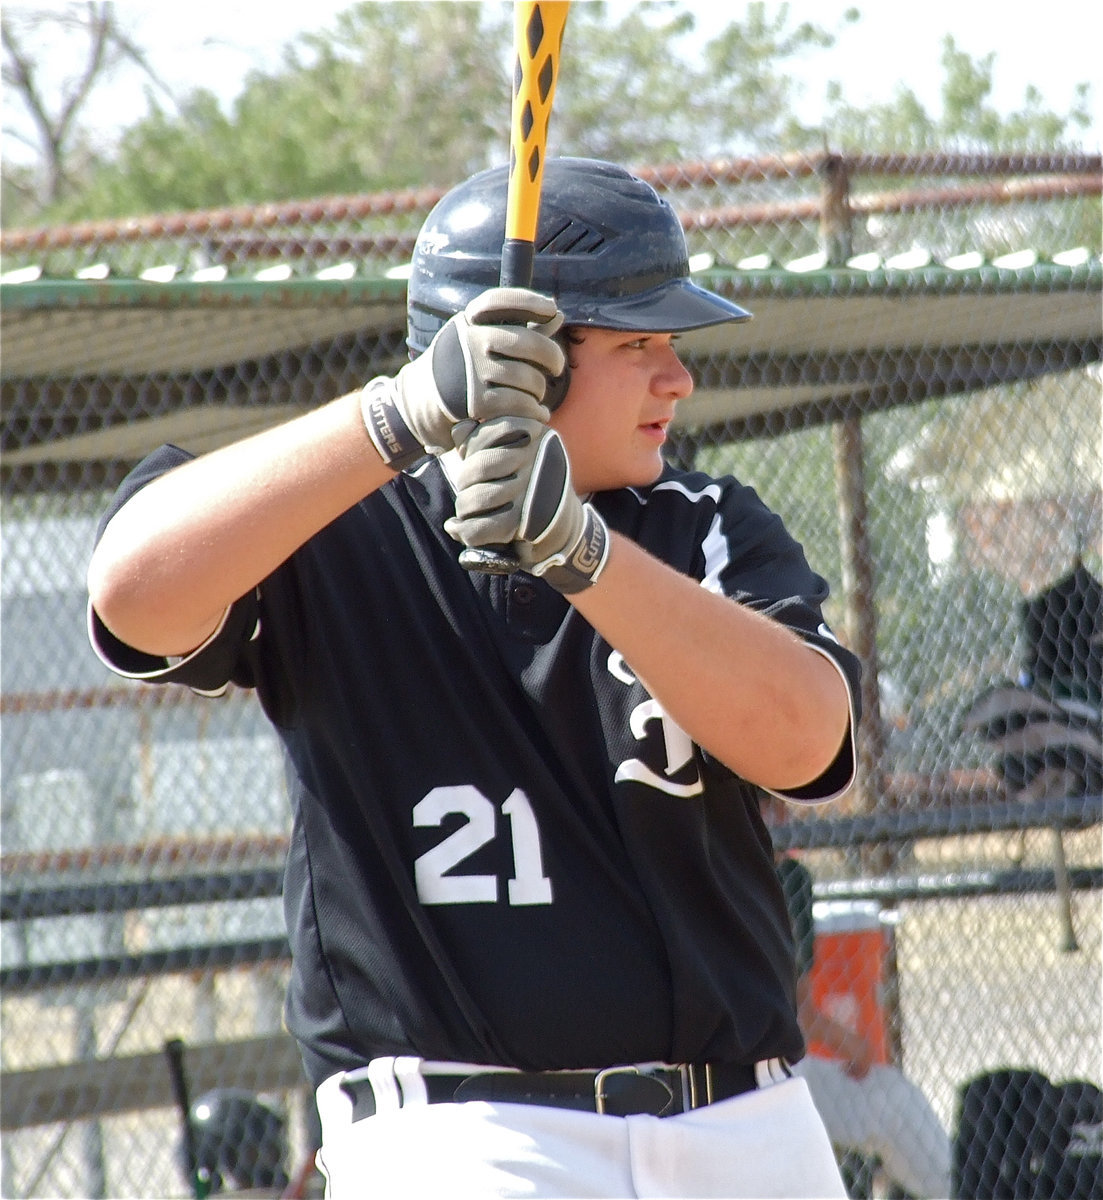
(523, 593)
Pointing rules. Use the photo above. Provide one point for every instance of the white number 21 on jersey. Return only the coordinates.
(529, 884)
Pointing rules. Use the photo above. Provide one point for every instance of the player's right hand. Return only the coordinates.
(514, 488)
(492, 359)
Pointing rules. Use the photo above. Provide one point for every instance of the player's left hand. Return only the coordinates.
(514, 487)
(498, 355)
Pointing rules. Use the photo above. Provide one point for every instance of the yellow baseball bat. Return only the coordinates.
(538, 27)
(538, 42)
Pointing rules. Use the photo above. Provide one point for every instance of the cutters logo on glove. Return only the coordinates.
(393, 439)
(581, 566)
(591, 550)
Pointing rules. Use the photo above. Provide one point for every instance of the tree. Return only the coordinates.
(55, 110)
(647, 89)
(395, 95)
(618, 97)
(401, 95)
(967, 119)
(748, 89)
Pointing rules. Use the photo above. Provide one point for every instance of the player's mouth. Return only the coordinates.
(655, 430)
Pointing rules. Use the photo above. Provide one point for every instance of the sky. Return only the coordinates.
(215, 43)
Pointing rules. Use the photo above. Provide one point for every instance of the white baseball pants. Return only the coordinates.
(766, 1143)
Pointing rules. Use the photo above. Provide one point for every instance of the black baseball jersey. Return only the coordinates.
(503, 850)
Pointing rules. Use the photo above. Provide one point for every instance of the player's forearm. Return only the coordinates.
(741, 685)
(199, 537)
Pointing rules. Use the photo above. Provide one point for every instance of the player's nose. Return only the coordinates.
(672, 377)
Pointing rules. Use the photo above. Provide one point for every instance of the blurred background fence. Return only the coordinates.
(918, 395)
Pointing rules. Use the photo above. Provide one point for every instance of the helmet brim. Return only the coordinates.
(675, 306)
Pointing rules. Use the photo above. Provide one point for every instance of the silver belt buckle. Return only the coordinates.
(599, 1083)
(649, 1073)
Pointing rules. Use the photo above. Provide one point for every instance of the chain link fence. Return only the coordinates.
(919, 397)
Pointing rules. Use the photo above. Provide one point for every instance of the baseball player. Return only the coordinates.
(539, 946)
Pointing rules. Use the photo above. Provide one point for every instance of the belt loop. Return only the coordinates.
(381, 1076)
(407, 1070)
(768, 1071)
(336, 1108)
(689, 1088)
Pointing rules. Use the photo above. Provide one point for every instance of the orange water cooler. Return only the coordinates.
(850, 974)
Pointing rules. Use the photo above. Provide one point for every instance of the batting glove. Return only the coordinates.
(494, 358)
(514, 487)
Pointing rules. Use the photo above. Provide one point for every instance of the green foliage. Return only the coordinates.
(395, 95)
(648, 89)
(398, 95)
(402, 95)
(748, 92)
(967, 121)
(626, 92)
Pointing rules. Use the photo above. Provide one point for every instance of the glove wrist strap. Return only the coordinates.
(396, 442)
(581, 566)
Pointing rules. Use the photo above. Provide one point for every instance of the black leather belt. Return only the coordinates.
(615, 1091)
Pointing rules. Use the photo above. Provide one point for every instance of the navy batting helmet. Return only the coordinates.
(608, 248)
(239, 1141)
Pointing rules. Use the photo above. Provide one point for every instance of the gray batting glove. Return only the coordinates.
(492, 359)
(514, 487)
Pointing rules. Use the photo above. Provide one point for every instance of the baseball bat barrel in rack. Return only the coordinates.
(538, 29)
